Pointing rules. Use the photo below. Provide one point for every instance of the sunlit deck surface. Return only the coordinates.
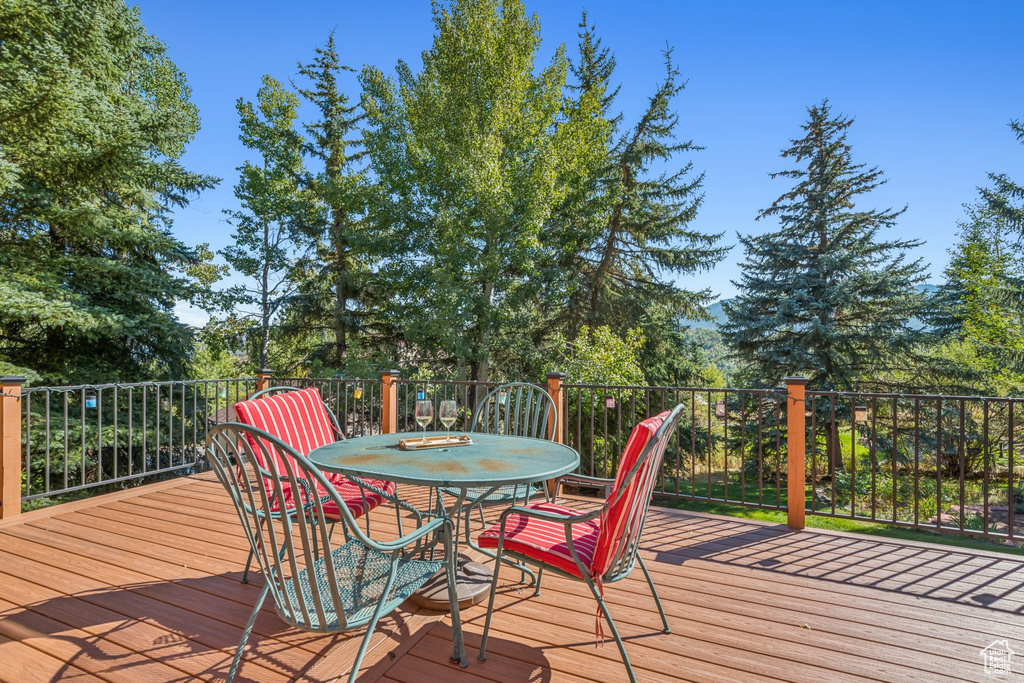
(143, 586)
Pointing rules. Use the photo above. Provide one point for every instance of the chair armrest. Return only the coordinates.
(362, 483)
(552, 516)
(585, 478)
(398, 544)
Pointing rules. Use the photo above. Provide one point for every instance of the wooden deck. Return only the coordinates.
(143, 586)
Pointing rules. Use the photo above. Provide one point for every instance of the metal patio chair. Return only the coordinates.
(350, 586)
(598, 547)
(513, 409)
(301, 419)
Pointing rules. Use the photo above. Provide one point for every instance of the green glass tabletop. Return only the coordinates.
(489, 461)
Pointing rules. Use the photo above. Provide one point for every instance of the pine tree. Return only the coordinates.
(823, 296)
(272, 207)
(1006, 197)
(623, 234)
(969, 310)
(1005, 200)
(577, 221)
(94, 119)
(329, 309)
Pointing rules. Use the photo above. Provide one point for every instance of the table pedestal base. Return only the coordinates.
(473, 585)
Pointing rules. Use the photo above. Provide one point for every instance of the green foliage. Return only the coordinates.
(1006, 197)
(94, 120)
(600, 357)
(623, 235)
(212, 361)
(713, 348)
(971, 313)
(468, 154)
(823, 296)
(333, 305)
(272, 205)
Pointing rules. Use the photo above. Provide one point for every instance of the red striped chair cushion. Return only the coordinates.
(623, 517)
(299, 418)
(358, 500)
(544, 541)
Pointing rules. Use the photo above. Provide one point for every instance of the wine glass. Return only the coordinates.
(448, 414)
(424, 414)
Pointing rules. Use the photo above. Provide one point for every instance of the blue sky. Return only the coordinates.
(932, 86)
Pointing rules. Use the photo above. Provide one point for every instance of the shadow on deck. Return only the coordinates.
(143, 586)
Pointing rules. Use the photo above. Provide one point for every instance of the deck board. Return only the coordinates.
(142, 585)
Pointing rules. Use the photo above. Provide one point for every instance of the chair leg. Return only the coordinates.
(540, 575)
(611, 626)
(398, 513)
(248, 563)
(459, 654)
(483, 520)
(372, 625)
(654, 592)
(482, 656)
(245, 634)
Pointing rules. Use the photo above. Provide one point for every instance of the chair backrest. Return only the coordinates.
(517, 409)
(282, 544)
(622, 521)
(298, 417)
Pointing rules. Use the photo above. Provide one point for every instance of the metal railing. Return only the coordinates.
(943, 463)
(355, 402)
(729, 445)
(88, 436)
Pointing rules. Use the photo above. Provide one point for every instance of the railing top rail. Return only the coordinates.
(132, 385)
(728, 390)
(454, 382)
(282, 378)
(951, 397)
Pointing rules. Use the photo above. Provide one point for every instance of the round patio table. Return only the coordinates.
(492, 460)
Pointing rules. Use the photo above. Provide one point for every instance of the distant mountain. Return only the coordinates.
(719, 317)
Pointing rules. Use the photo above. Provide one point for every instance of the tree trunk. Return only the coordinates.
(265, 303)
(480, 366)
(341, 293)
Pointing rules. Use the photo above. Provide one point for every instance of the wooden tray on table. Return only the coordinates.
(420, 444)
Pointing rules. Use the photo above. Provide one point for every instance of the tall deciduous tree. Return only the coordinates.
(272, 205)
(824, 296)
(469, 154)
(93, 121)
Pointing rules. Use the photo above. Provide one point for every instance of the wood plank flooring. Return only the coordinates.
(143, 586)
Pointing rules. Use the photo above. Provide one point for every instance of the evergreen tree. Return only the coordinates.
(1006, 198)
(647, 236)
(969, 310)
(329, 309)
(980, 265)
(623, 233)
(577, 221)
(93, 121)
(272, 206)
(824, 297)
